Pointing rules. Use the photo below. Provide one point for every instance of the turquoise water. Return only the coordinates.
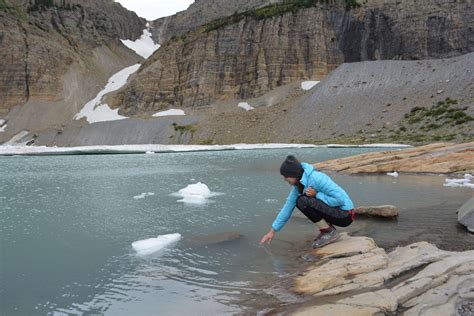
(67, 224)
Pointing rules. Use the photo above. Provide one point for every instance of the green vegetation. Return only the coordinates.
(40, 5)
(443, 112)
(183, 130)
(270, 11)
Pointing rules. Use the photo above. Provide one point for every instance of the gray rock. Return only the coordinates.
(466, 215)
(381, 211)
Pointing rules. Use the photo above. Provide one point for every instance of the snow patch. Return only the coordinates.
(94, 111)
(382, 145)
(197, 193)
(143, 195)
(144, 46)
(308, 85)
(2, 128)
(151, 245)
(245, 106)
(169, 112)
(15, 140)
(392, 174)
(464, 182)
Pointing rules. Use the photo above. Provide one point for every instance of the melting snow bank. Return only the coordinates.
(464, 182)
(8, 150)
(169, 112)
(197, 193)
(245, 106)
(144, 46)
(382, 145)
(308, 85)
(94, 111)
(151, 245)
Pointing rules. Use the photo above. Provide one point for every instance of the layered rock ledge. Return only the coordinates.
(433, 158)
(353, 276)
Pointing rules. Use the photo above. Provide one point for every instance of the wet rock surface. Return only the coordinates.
(466, 215)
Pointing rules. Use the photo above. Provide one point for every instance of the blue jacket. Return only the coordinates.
(327, 191)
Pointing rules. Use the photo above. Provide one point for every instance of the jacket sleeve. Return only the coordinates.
(285, 212)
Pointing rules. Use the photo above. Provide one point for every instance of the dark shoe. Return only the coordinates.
(325, 238)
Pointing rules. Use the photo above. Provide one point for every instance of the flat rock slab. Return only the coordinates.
(466, 215)
(388, 211)
(433, 158)
(355, 277)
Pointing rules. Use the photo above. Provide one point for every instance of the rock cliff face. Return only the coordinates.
(56, 55)
(199, 13)
(254, 55)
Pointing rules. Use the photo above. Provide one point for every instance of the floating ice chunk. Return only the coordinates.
(464, 182)
(150, 152)
(392, 174)
(245, 106)
(197, 193)
(143, 195)
(151, 245)
(144, 46)
(169, 112)
(307, 85)
(271, 200)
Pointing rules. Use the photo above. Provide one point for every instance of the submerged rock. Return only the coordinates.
(355, 277)
(466, 215)
(381, 211)
(206, 240)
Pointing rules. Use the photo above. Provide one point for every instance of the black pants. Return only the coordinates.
(316, 210)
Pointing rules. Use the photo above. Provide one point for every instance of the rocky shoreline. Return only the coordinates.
(354, 276)
(433, 158)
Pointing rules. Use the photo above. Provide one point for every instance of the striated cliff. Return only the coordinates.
(247, 55)
(199, 13)
(55, 55)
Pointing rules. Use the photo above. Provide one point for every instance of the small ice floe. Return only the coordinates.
(392, 174)
(143, 195)
(463, 182)
(150, 152)
(169, 112)
(245, 106)
(308, 85)
(271, 200)
(151, 245)
(197, 193)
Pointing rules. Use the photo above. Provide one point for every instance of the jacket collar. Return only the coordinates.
(308, 169)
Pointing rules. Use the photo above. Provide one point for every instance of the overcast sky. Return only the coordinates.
(153, 9)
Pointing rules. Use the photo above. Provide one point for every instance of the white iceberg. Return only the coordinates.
(308, 85)
(197, 193)
(151, 245)
(169, 112)
(144, 46)
(245, 106)
(392, 174)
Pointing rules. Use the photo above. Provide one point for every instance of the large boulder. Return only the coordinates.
(466, 215)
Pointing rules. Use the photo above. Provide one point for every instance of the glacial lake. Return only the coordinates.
(67, 224)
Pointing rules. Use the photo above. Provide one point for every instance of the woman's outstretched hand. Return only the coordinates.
(268, 237)
(310, 192)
